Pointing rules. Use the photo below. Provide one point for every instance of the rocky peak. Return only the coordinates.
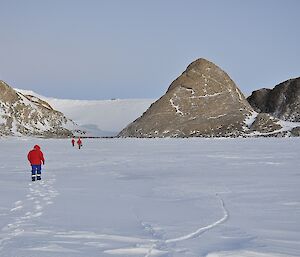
(203, 101)
(8, 94)
(199, 73)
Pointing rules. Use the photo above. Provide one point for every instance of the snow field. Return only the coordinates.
(98, 117)
(151, 197)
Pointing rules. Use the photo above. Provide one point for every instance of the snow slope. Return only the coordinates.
(152, 197)
(98, 117)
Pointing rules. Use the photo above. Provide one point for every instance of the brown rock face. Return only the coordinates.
(203, 101)
(7, 94)
(30, 116)
(295, 132)
(264, 123)
(282, 102)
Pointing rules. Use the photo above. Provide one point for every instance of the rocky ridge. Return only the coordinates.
(25, 115)
(282, 102)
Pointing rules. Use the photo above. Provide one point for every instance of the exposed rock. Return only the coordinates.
(39, 102)
(295, 132)
(30, 116)
(282, 102)
(258, 99)
(264, 123)
(203, 101)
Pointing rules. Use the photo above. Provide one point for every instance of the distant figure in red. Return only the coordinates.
(73, 141)
(79, 143)
(36, 158)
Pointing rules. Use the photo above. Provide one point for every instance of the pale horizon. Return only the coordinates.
(97, 50)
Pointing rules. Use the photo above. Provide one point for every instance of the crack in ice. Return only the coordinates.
(203, 229)
(196, 233)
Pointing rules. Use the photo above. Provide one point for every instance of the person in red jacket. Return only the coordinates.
(79, 143)
(36, 159)
(73, 141)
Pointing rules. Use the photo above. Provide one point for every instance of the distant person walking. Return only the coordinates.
(79, 143)
(36, 159)
(73, 142)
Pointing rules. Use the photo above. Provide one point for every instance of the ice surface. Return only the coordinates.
(152, 197)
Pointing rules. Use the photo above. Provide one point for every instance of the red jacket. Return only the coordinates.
(35, 156)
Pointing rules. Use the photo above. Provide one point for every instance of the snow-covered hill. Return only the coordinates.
(22, 115)
(98, 117)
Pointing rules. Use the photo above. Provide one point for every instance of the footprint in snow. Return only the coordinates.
(16, 208)
(18, 205)
(38, 207)
(38, 214)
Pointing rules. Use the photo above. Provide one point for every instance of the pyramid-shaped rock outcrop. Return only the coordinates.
(203, 101)
(22, 115)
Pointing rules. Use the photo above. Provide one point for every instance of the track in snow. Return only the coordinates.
(136, 246)
(196, 233)
(40, 194)
(202, 230)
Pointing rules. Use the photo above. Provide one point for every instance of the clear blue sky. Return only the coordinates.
(102, 49)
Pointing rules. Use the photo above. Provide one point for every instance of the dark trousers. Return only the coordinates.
(36, 172)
